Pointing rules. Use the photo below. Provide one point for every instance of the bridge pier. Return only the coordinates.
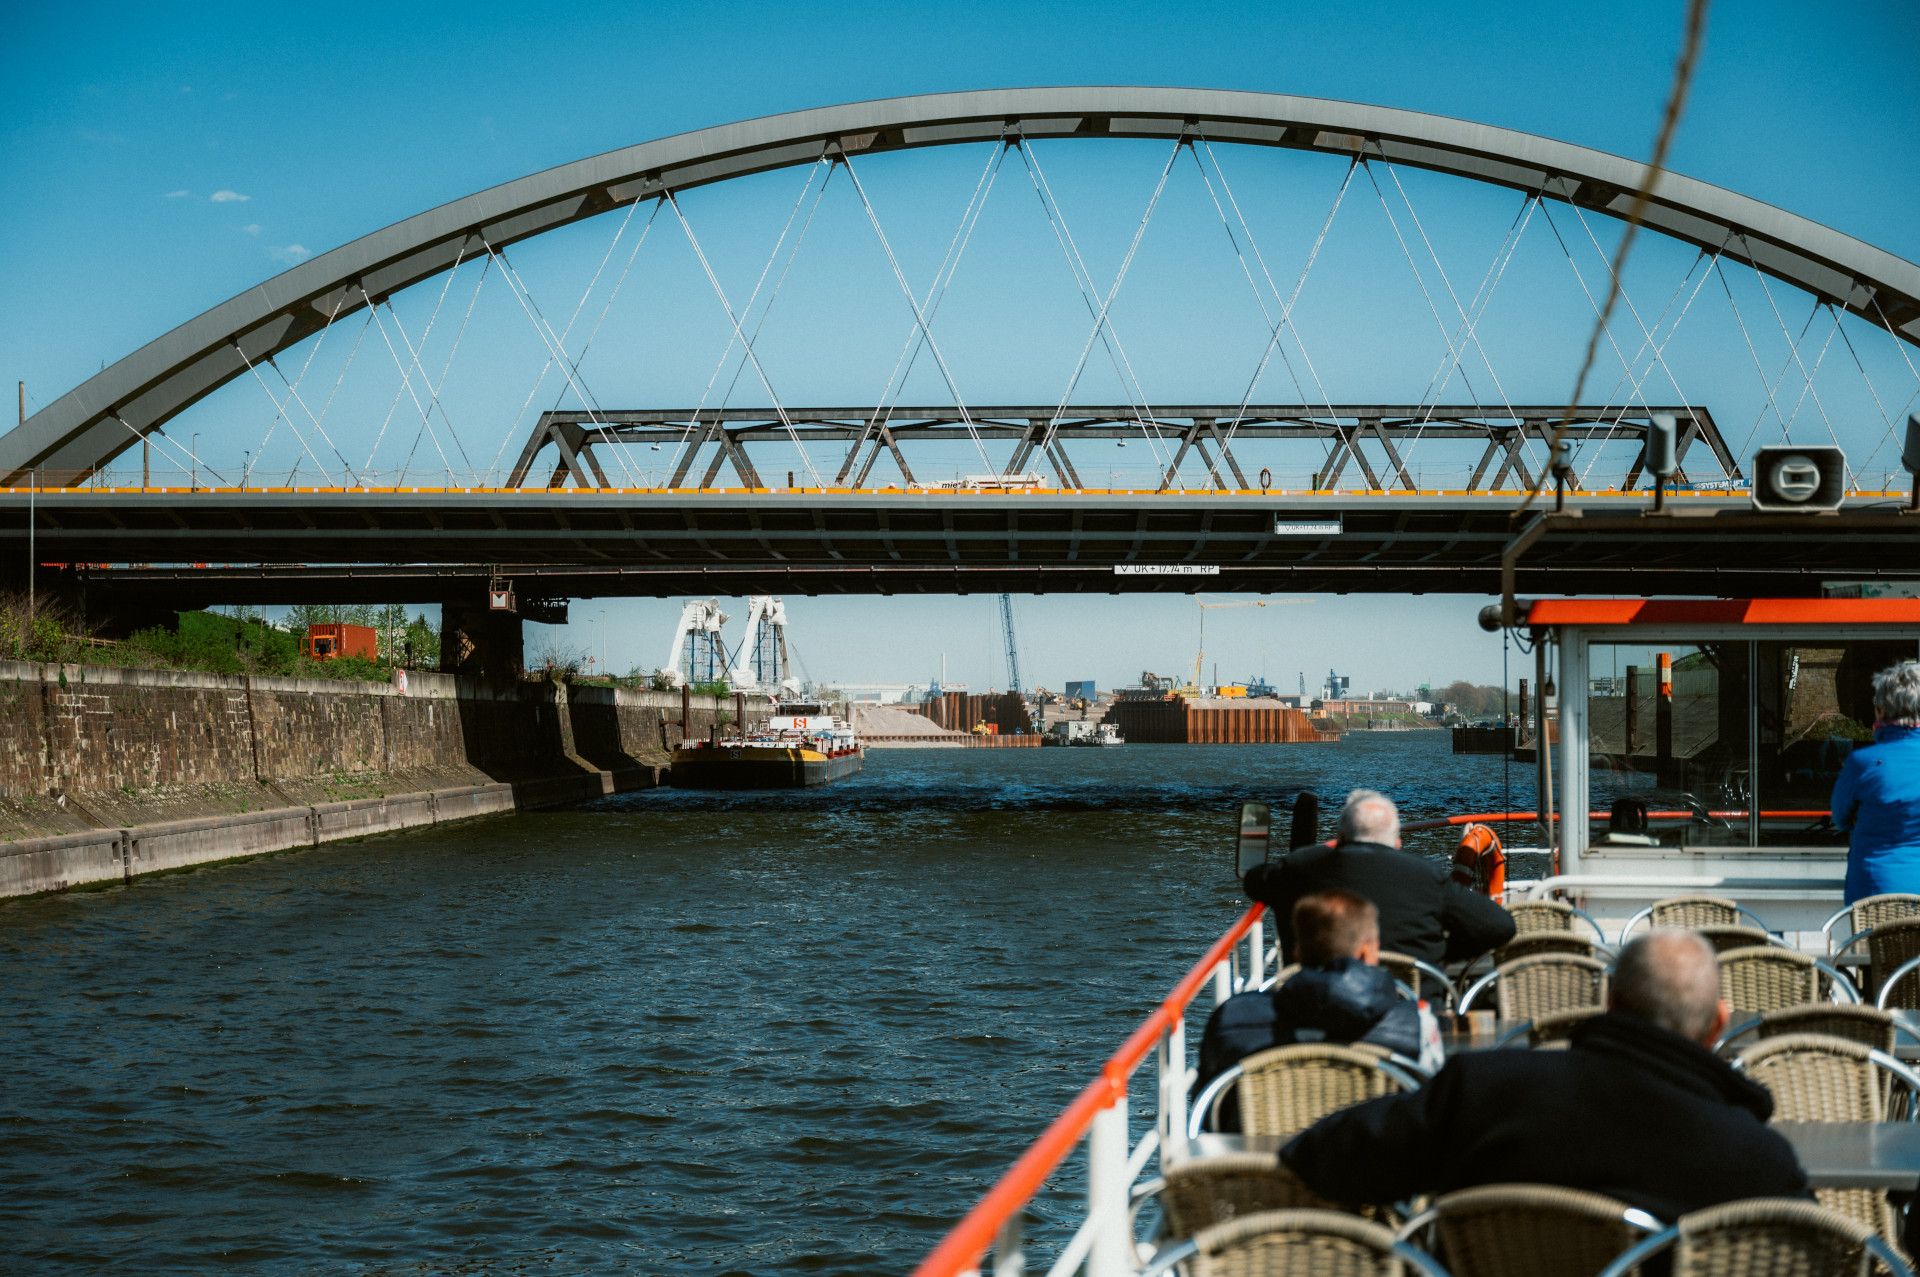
(478, 641)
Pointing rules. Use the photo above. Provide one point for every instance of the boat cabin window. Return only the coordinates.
(1732, 743)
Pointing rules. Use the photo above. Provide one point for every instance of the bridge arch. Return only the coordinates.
(108, 413)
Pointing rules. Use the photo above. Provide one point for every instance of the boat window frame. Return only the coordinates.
(1571, 647)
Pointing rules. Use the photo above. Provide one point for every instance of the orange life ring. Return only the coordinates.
(1479, 862)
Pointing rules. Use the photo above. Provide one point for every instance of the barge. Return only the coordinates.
(801, 745)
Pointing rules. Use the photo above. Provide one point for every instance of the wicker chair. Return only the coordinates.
(1815, 1078)
(1528, 1230)
(1869, 1026)
(1200, 1192)
(1294, 1243)
(1528, 988)
(1551, 1031)
(1425, 979)
(1765, 1237)
(1864, 915)
(1762, 978)
(1528, 943)
(1693, 911)
(1531, 916)
(1727, 939)
(1890, 946)
(1285, 1089)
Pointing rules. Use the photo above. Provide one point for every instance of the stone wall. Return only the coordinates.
(105, 773)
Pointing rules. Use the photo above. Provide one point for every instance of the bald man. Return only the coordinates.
(1423, 912)
(1637, 1108)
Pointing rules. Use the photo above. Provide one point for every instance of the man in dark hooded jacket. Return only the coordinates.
(1339, 995)
(1638, 1108)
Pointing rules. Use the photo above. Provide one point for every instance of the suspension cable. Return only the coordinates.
(293, 390)
(779, 283)
(689, 436)
(1089, 292)
(1286, 311)
(919, 316)
(732, 318)
(937, 291)
(1650, 177)
(1258, 297)
(1100, 322)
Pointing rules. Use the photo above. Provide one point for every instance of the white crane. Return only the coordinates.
(761, 663)
(698, 655)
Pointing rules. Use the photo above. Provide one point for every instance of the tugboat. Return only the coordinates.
(800, 745)
(1103, 735)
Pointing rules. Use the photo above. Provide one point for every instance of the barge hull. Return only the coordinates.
(759, 768)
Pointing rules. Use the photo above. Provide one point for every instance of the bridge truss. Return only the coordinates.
(706, 443)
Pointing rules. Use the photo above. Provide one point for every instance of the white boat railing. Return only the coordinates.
(1103, 1244)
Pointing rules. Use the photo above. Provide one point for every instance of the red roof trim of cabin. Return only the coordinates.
(1545, 612)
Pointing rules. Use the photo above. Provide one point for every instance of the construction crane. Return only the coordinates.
(1200, 656)
(1013, 651)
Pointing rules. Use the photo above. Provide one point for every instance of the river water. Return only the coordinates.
(668, 1032)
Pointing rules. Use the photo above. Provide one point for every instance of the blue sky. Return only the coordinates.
(161, 158)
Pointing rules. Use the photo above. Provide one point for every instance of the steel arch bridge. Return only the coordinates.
(109, 413)
(353, 540)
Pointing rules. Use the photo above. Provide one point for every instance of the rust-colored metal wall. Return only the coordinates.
(1178, 721)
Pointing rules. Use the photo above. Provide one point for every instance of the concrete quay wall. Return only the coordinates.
(107, 773)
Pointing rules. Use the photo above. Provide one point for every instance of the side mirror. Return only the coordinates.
(1256, 830)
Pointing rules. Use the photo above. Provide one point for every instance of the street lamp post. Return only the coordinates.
(193, 456)
(33, 602)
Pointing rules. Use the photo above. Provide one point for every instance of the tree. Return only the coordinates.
(422, 643)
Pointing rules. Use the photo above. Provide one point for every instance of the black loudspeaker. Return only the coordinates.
(1910, 455)
(1661, 446)
(1794, 478)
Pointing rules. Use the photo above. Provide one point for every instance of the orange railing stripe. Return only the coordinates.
(960, 1250)
(1502, 817)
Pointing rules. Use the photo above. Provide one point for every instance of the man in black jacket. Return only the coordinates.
(1423, 912)
(1340, 994)
(1638, 1108)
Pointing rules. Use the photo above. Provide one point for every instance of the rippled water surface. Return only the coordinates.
(671, 1032)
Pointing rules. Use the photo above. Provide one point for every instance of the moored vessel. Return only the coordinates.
(800, 745)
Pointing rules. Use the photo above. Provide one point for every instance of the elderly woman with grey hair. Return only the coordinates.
(1877, 796)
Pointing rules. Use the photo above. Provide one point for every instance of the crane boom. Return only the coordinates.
(1200, 653)
(1013, 650)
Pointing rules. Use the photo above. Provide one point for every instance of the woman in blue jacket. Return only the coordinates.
(1877, 796)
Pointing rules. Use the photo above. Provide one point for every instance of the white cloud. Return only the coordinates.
(291, 254)
(229, 197)
(251, 228)
(177, 195)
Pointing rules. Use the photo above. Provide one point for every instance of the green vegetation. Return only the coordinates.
(718, 687)
(241, 642)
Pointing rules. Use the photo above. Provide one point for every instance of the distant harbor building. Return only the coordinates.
(1081, 690)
